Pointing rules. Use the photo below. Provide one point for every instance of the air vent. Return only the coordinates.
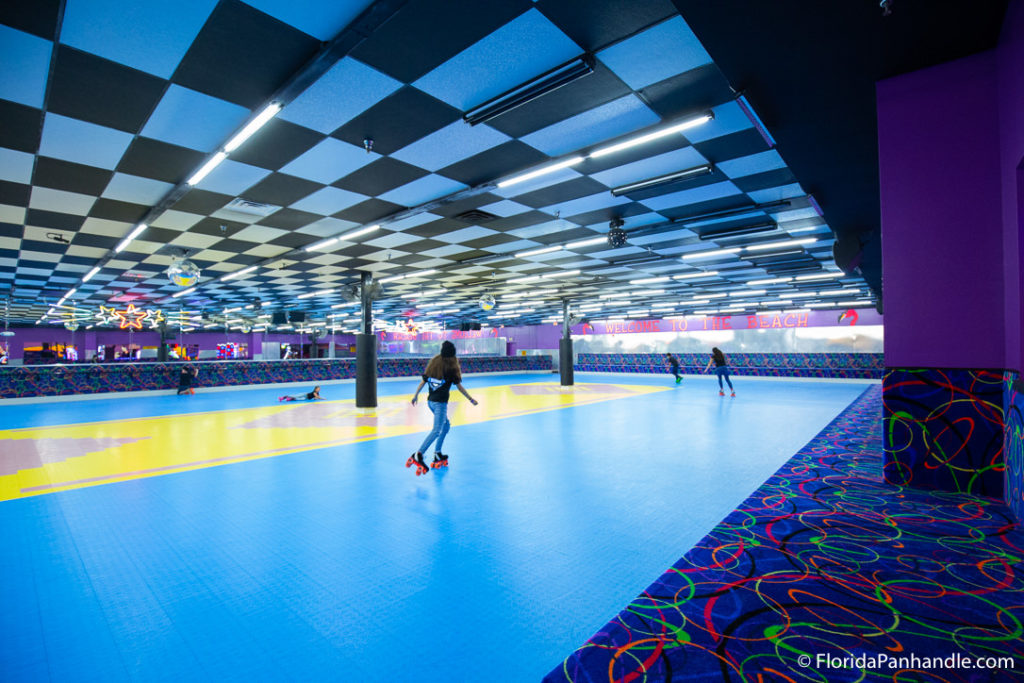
(250, 208)
(475, 217)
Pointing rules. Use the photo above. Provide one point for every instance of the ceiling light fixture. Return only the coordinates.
(737, 231)
(322, 244)
(749, 292)
(269, 112)
(655, 135)
(90, 274)
(650, 280)
(820, 276)
(771, 281)
(548, 81)
(204, 171)
(238, 273)
(562, 273)
(183, 292)
(551, 168)
(711, 254)
(691, 276)
(780, 245)
(667, 179)
(131, 236)
(587, 243)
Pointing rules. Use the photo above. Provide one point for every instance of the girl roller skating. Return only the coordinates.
(442, 372)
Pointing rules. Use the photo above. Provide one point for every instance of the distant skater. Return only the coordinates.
(721, 369)
(675, 367)
(311, 396)
(442, 372)
(186, 378)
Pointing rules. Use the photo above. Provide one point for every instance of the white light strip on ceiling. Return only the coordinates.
(649, 280)
(90, 274)
(131, 236)
(691, 276)
(820, 276)
(538, 252)
(587, 243)
(206, 168)
(772, 281)
(183, 292)
(541, 171)
(779, 245)
(238, 273)
(317, 246)
(562, 273)
(269, 112)
(649, 137)
(710, 254)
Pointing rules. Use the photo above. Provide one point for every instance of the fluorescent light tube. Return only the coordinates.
(778, 245)
(206, 168)
(131, 236)
(562, 273)
(587, 243)
(820, 276)
(649, 137)
(238, 273)
(710, 254)
(541, 171)
(358, 233)
(668, 178)
(183, 292)
(518, 280)
(269, 112)
(393, 278)
(538, 252)
(90, 274)
(650, 280)
(691, 276)
(322, 244)
(548, 81)
(771, 281)
(751, 292)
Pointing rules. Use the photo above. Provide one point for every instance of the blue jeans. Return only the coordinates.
(441, 426)
(723, 371)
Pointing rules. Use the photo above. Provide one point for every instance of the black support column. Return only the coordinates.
(565, 348)
(366, 352)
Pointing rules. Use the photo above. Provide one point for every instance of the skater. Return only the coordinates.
(721, 369)
(188, 374)
(311, 396)
(442, 372)
(675, 367)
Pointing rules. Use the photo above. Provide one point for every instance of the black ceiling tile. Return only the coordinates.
(12, 230)
(289, 219)
(520, 220)
(52, 219)
(14, 194)
(504, 160)
(688, 93)
(69, 176)
(378, 177)
(355, 251)
(201, 202)
(460, 206)
(243, 55)
(103, 92)
(218, 227)
(113, 210)
(561, 192)
(237, 246)
(732, 146)
(420, 246)
(716, 176)
(158, 160)
(21, 127)
(79, 261)
(438, 227)
(407, 260)
(595, 24)
(470, 254)
(426, 33)
(581, 95)
(159, 235)
(368, 211)
(280, 189)
(276, 144)
(38, 17)
(403, 117)
(244, 259)
(763, 181)
(605, 215)
(709, 206)
(84, 239)
(490, 241)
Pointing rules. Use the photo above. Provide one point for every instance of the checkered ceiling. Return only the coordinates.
(109, 108)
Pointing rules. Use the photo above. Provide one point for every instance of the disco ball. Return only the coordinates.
(487, 302)
(71, 325)
(616, 237)
(183, 273)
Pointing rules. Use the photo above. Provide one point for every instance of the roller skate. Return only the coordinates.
(721, 393)
(440, 460)
(417, 459)
(733, 394)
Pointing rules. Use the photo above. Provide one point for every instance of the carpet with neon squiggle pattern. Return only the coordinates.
(827, 573)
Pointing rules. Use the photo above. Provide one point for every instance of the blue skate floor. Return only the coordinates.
(339, 564)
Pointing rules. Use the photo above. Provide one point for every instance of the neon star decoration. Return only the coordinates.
(131, 317)
(107, 315)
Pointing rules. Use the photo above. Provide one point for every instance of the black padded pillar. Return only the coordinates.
(565, 348)
(366, 371)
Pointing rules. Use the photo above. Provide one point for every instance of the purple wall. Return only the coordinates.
(1010, 55)
(942, 243)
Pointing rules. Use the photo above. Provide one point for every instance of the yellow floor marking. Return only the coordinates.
(40, 460)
